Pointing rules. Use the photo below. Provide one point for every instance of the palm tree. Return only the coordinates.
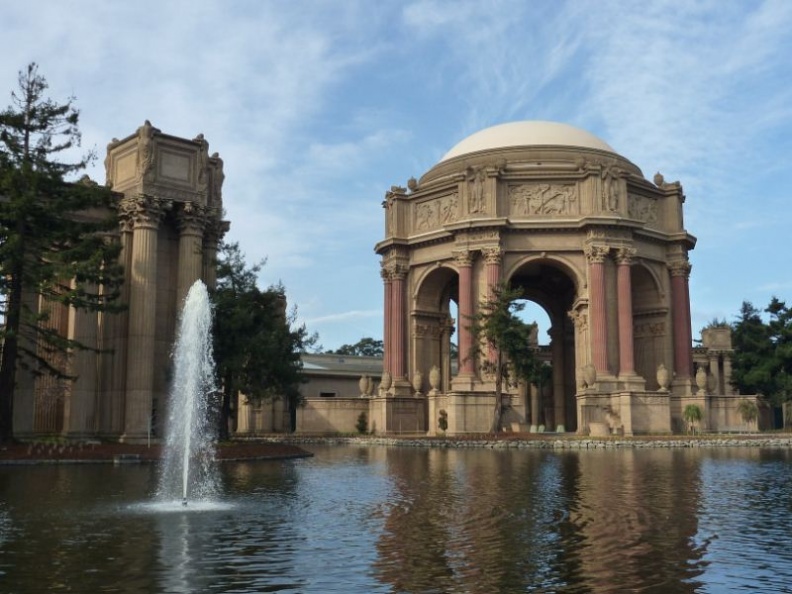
(692, 415)
(748, 411)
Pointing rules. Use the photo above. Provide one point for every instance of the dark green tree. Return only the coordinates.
(762, 360)
(257, 344)
(365, 347)
(55, 240)
(501, 344)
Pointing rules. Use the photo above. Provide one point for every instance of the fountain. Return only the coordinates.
(188, 466)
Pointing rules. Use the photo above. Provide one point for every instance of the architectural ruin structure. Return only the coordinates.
(555, 211)
(169, 193)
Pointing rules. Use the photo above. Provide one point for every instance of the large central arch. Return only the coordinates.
(557, 212)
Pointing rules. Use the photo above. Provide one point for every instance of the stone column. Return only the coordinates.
(146, 215)
(680, 303)
(388, 317)
(79, 414)
(727, 373)
(398, 323)
(559, 393)
(624, 259)
(116, 332)
(464, 262)
(714, 356)
(191, 221)
(447, 331)
(598, 308)
(492, 258)
(214, 231)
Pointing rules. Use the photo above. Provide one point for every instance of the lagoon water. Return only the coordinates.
(378, 519)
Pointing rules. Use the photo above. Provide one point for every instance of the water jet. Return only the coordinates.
(188, 465)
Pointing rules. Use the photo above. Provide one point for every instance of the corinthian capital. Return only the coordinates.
(143, 211)
(191, 217)
(463, 258)
(680, 268)
(625, 255)
(596, 254)
(492, 255)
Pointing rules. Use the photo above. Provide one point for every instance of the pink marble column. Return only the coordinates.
(398, 324)
(387, 316)
(493, 258)
(624, 259)
(680, 302)
(464, 262)
(597, 307)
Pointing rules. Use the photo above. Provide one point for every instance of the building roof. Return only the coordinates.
(527, 133)
(332, 364)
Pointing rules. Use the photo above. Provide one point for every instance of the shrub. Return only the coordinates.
(442, 420)
(362, 423)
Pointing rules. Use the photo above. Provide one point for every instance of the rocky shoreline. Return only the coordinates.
(552, 442)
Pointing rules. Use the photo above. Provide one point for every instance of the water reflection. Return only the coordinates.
(409, 520)
(461, 521)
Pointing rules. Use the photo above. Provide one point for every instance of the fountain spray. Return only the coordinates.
(188, 459)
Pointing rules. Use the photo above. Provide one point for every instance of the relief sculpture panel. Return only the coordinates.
(543, 199)
(643, 209)
(435, 213)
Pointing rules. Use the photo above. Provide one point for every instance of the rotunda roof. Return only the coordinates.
(527, 133)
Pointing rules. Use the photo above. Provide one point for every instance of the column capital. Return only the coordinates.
(390, 271)
(625, 256)
(596, 254)
(680, 268)
(191, 218)
(463, 258)
(579, 318)
(492, 254)
(143, 210)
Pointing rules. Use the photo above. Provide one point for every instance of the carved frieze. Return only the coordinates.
(649, 329)
(543, 200)
(642, 208)
(435, 213)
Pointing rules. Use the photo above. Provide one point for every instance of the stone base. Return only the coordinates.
(395, 415)
(624, 413)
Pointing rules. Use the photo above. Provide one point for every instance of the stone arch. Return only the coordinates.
(432, 325)
(650, 323)
(552, 283)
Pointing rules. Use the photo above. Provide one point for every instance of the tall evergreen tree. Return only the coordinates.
(762, 360)
(54, 241)
(257, 344)
(498, 330)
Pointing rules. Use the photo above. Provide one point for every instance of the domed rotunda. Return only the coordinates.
(556, 212)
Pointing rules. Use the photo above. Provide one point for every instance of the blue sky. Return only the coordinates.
(317, 108)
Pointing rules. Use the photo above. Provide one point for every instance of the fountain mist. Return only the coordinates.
(188, 470)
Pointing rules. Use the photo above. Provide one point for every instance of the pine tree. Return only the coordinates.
(55, 235)
(497, 329)
(257, 344)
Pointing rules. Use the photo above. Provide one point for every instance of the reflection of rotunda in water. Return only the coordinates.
(555, 211)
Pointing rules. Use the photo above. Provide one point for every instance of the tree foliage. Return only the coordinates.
(257, 343)
(365, 347)
(762, 361)
(501, 344)
(54, 242)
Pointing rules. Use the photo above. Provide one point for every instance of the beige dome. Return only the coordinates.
(527, 133)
